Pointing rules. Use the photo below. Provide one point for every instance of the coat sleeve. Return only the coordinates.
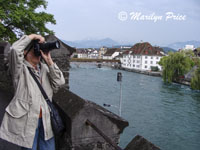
(16, 57)
(56, 77)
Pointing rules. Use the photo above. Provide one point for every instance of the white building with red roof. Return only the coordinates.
(142, 56)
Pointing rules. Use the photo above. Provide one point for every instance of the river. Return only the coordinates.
(167, 115)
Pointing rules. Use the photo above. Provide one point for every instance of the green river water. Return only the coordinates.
(166, 115)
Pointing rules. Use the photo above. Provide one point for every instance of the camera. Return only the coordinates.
(45, 47)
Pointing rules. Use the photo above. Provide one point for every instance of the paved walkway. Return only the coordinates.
(4, 101)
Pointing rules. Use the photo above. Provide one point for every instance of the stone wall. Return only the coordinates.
(80, 136)
(5, 79)
(61, 57)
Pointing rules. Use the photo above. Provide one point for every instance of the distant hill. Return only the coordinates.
(92, 43)
(108, 42)
(179, 45)
(168, 49)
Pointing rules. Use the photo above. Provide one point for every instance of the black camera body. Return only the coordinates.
(45, 47)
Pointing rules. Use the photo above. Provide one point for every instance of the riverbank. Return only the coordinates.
(93, 60)
(152, 73)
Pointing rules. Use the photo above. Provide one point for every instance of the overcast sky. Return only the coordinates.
(97, 19)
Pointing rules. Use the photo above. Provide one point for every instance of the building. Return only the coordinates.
(125, 47)
(111, 53)
(82, 53)
(119, 57)
(142, 56)
(189, 47)
(93, 54)
(102, 51)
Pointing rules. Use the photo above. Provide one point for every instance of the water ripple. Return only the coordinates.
(166, 114)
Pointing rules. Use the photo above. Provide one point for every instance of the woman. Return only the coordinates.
(27, 120)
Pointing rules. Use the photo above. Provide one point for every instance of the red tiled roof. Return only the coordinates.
(145, 49)
(126, 52)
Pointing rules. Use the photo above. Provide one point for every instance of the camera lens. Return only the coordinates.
(45, 47)
(57, 44)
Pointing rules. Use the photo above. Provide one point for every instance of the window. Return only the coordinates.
(157, 57)
(157, 62)
(133, 61)
(134, 56)
(145, 66)
(138, 61)
(151, 57)
(145, 62)
(146, 57)
(151, 62)
(138, 56)
(137, 66)
(133, 65)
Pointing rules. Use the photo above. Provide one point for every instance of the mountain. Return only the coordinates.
(168, 49)
(179, 45)
(92, 43)
(108, 42)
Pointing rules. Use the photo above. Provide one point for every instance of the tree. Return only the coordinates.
(188, 53)
(195, 82)
(175, 66)
(154, 68)
(197, 52)
(18, 17)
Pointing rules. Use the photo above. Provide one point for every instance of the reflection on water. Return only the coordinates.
(166, 114)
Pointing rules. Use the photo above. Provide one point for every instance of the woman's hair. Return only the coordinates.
(28, 48)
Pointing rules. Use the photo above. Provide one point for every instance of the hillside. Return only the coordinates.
(179, 45)
(92, 43)
(168, 49)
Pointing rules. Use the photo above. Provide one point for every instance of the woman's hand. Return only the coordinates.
(47, 57)
(37, 37)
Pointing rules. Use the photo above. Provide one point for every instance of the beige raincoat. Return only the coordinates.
(21, 117)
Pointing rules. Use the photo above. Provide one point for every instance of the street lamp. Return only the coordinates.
(119, 79)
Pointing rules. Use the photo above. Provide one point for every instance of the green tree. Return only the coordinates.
(18, 17)
(195, 82)
(175, 65)
(188, 53)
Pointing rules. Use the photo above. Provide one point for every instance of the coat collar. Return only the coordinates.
(33, 69)
(28, 64)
